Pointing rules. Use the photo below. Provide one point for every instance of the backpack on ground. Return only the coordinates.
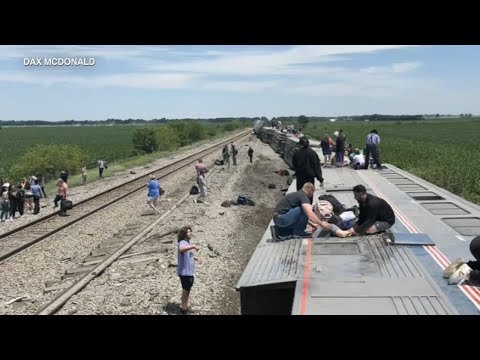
(243, 200)
(338, 208)
(323, 209)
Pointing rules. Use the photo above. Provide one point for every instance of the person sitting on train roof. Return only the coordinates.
(294, 211)
(376, 215)
(459, 271)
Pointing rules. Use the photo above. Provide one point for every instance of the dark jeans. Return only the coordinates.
(100, 172)
(57, 199)
(372, 149)
(292, 222)
(250, 158)
(43, 191)
(36, 208)
(13, 207)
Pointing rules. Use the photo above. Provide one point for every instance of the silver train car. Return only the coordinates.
(285, 144)
(393, 273)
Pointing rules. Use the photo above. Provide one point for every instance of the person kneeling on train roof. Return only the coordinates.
(306, 164)
(376, 215)
(459, 271)
(294, 211)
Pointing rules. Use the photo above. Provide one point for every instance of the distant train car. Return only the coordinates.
(266, 134)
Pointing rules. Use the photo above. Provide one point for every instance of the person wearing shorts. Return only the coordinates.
(153, 192)
(186, 264)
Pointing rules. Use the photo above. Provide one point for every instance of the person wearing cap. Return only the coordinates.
(371, 147)
(153, 192)
(306, 164)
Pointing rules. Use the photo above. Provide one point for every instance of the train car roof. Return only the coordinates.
(399, 272)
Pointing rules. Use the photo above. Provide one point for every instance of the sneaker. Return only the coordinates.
(460, 275)
(194, 201)
(454, 265)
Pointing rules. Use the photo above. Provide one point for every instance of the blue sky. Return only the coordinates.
(232, 81)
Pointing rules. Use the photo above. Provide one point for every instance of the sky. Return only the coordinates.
(165, 81)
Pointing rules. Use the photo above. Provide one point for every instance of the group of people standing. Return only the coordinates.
(24, 197)
(295, 210)
(340, 147)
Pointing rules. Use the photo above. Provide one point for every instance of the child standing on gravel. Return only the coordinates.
(186, 264)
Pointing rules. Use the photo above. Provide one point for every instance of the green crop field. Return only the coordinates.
(444, 153)
(109, 142)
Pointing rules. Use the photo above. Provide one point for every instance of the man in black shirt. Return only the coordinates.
(294, 211)
(306, 164)
(376, 215)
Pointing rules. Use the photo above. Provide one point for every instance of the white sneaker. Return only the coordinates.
(454, 265)
(194, 201)
(460, 275)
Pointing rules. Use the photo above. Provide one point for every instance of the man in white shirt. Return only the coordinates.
(358, 160)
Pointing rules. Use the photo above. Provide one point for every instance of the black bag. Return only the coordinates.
(338, 208)
(194, 190)
(66, 205)
(162, 191)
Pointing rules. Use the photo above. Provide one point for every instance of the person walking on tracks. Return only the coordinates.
(234, 154)
(226, 156)
(306, 164)
(250, 153)
(186, 264)
(61, 196)
(153, 192)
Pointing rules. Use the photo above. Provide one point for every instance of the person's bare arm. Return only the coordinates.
(307, 209)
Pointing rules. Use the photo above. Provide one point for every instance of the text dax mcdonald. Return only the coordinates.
(53, 61)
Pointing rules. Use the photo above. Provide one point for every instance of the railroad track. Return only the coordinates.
(23, 237)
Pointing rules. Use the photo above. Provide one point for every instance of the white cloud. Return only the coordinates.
(240, 86)
(304, 70)
(135, 80)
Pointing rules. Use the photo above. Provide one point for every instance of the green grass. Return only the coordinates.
(122, 165)
(444, 153)
(108, 142)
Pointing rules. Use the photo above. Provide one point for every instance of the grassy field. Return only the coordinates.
(445, 153)
(108, 142)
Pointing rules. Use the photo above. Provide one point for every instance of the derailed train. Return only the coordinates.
(284, 143)
(398, 272)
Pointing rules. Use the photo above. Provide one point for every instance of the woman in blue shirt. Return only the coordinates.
(153, 192)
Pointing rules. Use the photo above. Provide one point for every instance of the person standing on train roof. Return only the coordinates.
(306, 164)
